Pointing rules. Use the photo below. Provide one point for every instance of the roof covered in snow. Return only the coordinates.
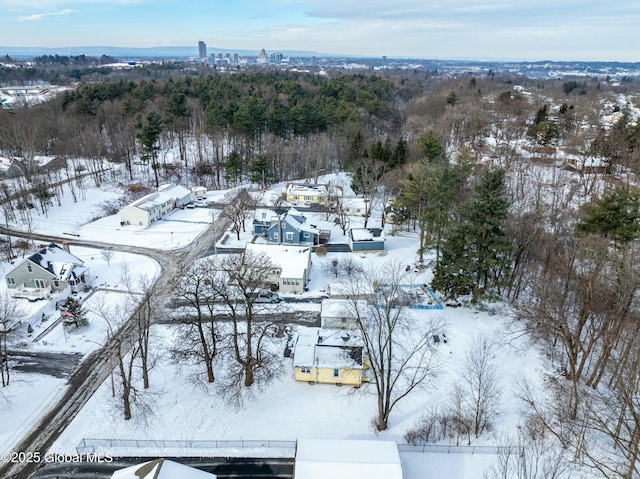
(293, 260)
(161, 469)
(58, 261)
(329, 349)
(175, 191)
(347, 459)
(367, 234)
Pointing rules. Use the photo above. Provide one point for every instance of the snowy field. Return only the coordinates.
(286, 409)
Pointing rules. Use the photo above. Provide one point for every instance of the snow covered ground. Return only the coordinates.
(286, 409)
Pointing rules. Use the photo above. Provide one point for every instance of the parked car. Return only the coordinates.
(190, 206)
(201, 203)
(265, 296)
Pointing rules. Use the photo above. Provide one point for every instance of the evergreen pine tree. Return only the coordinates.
(475, 250)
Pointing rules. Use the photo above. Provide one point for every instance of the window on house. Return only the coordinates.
(11, 281)
(39, 283)
(305, 369)
(56, 283)
(275, 236)
(336, 373)
(283, 225)
(29, 268)
(305, 235)
(289, 236)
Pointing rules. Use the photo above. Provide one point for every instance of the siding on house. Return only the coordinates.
(292, 265)
(50, 267)
(329, 357)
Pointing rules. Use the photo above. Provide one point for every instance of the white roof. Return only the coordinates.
(347, 459)
(328, 349)
(365, 234)
(332, 308)
(175, 191)
(308, 189)
(292, 260)
(161, 469)
(58, 261)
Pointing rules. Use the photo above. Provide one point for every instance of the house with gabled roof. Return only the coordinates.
(51, 269)
(292, 265)
(329, 357)
(290, 227)
(308, 193)
(155, 206)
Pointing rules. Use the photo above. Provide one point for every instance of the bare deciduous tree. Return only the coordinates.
(402, 355)
(239, 205)
(10, 313)
(235, 281)
(480, 383)
(107, 255)
(199, 338)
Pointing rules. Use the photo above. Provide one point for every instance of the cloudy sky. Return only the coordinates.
(458, 29)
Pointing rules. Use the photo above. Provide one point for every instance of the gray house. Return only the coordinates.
(288, 228)
(52, 269)
(366, 239)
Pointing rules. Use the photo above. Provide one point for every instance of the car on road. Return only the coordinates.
(265, 296)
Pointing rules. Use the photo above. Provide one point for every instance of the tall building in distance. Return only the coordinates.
(202, 51)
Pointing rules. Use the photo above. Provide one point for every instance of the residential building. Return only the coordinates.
(155, 206)
(50, 270)
(308, 193)
(347, 459)
(366, 240)
(329, 357)
(290, 227)
(292, 265)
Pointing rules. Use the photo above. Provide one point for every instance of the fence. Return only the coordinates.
(90, 445)
(450, 449)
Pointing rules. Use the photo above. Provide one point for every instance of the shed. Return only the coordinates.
(366, 239)
(347, 459)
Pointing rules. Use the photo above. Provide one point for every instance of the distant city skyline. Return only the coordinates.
(564, 30)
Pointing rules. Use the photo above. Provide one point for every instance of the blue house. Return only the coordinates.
(290, 227)
(366, 239)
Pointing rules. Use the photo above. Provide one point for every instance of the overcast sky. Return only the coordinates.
(598, 30)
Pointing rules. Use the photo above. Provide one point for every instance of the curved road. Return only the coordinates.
(95, 369)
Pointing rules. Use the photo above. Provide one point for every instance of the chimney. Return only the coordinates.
(65, 246)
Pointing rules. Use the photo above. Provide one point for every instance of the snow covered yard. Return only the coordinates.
(287, 410)
(29, 396)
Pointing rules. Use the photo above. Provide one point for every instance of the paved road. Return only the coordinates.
(224, 468)
(59, 365)
(95, 369)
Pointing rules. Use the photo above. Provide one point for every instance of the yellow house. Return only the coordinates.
(307, 193)
(329, 357)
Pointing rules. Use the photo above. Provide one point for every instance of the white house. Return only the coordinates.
(347, 459)
(292, 263)
(155, 206)
(161, 469)
(180, 194)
